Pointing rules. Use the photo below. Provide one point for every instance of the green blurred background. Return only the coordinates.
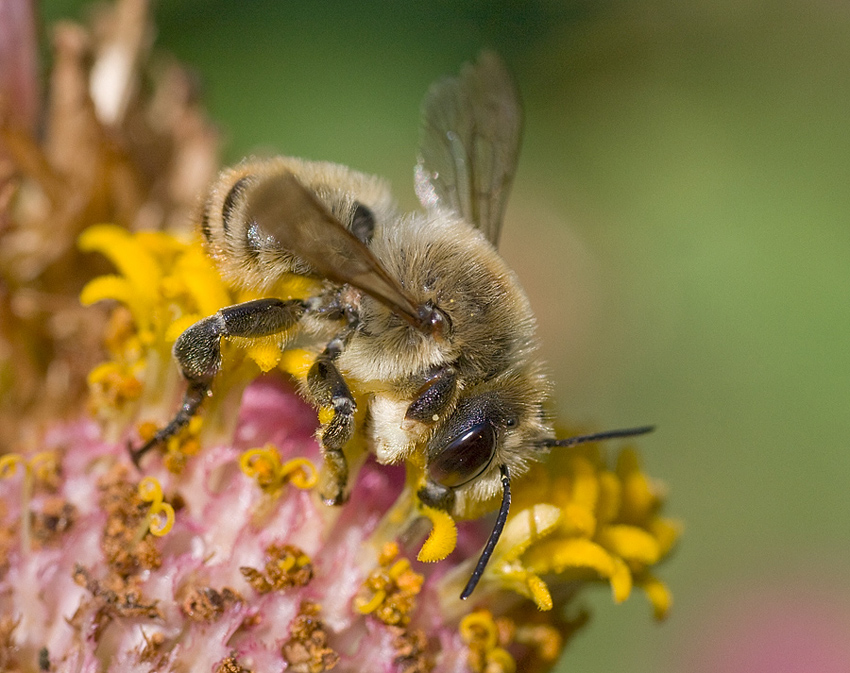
(680, 221)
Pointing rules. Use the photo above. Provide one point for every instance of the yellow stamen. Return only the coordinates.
(150, 490)
(479, 626)
(399, 568)
(263, 465)
(160, 517)
(300, 472)
(9, 465)
(364, 608)
(502, 659)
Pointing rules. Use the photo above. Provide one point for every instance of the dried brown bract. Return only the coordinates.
(307, 649)
(121, 138)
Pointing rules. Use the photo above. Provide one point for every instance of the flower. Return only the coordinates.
(224, 556)
(219, 554)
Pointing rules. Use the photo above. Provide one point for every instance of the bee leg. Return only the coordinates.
(330, 391)
(434, 397)
(198, 352)
(437, 496)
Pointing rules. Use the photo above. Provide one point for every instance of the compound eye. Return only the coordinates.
(465, 457)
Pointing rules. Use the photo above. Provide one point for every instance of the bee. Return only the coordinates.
(417, 312)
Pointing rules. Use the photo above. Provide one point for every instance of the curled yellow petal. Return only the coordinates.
(525, 528)
(620, 580)
(559, 555)
(202, 281)
(133, 261)
(658, 594)
(107, 287)
(443, 537)
(43, 464)
(630, 543)
(639, 500)
(608, 505)
(539, 592)
(577, 520)
(666, 532)
(585, 487)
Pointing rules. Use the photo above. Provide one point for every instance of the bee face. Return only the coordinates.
(501, 423)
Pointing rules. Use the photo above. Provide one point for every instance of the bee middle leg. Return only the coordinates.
(329, 390)
(198, 352)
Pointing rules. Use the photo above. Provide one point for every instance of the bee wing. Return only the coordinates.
(294, 217)
(469, 143)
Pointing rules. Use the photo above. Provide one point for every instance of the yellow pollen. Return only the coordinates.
(326, 415)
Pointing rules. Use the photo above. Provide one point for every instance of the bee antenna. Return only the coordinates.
(495, 534)
(598, 436)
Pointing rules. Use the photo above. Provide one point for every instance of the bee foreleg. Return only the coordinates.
(437, 496)
(198, 352)
(434, 397)
(330, 391)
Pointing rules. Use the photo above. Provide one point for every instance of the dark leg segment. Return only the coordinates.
(330, 391)
(434, 397)
(198, 352)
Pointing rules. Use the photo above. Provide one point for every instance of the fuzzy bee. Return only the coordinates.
(417, 313)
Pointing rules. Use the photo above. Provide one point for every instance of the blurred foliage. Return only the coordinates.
(680, 220)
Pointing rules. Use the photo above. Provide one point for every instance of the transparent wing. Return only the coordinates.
(292, 215)
(469, 143)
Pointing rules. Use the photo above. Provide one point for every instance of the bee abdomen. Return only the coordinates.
(238, 189)
(246, 253)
